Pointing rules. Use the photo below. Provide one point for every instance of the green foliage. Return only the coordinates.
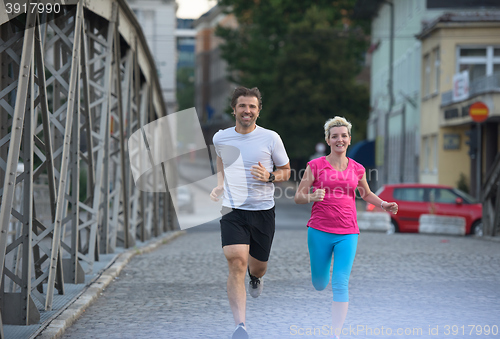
(462, 183)
(185, 87)
(303, 56)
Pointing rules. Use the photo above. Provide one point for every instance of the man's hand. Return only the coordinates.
(318, 195)
(216, 192)
(259, 172)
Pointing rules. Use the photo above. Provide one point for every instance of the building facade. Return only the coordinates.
(213, 90)
(461, 66)
(395, 91)
(405, 82)
(158, 21)
(186, 41)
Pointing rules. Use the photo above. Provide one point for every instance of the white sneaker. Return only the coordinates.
(240, 332)
(255, 285)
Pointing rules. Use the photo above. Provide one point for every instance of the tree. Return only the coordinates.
(303, 56)
(185, 87)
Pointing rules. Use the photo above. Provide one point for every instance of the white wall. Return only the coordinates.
(158, 21)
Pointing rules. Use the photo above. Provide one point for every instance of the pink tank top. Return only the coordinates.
(337, 212)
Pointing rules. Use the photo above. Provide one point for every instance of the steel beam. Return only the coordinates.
(21, 132)
(100, 43)
(44, 226)
(73, 101)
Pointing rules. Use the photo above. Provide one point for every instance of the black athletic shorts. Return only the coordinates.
(254, 228)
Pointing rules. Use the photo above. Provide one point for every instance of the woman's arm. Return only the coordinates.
(302, 196)
(372, 198)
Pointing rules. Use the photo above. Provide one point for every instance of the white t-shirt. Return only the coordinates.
(239, 152)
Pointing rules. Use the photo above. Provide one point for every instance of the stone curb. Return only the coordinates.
(439, 224)
(75, 309)
(373, 221)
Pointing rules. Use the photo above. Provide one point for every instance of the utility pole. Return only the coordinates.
(390, 88)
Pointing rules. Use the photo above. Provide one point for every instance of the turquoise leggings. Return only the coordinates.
(321, 247)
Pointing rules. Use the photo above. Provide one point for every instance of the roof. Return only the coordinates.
(462, 17)
(209, 15)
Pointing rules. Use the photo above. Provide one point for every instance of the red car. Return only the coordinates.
(416, 199)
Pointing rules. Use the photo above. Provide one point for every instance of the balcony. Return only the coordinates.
(479, 86)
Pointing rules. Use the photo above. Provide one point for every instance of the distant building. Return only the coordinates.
(213, 90)
(408, 143)
(186, 41)
(158, 22)
(461, 66)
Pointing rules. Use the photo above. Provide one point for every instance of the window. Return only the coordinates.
(475, 71)
(409, 194)
(437, 72)
(480, 61)
(473, 52)
(496, 63)
(427, 75)
(467, 198)
(443, 196)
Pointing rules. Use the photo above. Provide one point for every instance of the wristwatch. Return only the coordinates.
(271, 177)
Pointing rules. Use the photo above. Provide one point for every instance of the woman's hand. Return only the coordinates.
(216, 192)
(318, 195)
(390, 206)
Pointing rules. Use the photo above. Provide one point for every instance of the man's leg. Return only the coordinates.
(256, 271)
(262, 231)
(257, 268)
(237, 260)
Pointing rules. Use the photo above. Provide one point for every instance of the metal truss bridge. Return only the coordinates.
(74, 85)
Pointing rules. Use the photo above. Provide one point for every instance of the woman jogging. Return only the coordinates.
(332, 228)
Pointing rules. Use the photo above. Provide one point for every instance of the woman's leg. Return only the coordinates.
(344, 252)
(320, 254)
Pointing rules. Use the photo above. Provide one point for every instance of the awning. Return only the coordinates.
(363, 152)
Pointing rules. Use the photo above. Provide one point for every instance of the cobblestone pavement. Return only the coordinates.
(426, 286)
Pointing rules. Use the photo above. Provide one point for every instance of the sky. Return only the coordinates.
(193, 9)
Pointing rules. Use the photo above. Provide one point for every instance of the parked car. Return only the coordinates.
(417, 199)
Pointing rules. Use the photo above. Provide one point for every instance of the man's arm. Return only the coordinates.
(220, 172)
(260, 173)
(282, 173)
(217, 191)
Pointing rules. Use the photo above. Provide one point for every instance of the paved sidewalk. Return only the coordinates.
(429, 286)
(78, 297)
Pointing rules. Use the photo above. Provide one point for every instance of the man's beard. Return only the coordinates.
(246, 123)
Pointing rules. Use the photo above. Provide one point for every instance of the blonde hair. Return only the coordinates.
(336, 122)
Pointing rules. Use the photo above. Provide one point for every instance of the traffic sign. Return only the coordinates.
(478, 111)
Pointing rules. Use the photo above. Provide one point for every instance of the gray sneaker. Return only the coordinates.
(255, 285)
(240, 332)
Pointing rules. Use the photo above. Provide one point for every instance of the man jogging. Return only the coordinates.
(246, 157)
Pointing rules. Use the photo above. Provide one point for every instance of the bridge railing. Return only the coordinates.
(74, 85)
